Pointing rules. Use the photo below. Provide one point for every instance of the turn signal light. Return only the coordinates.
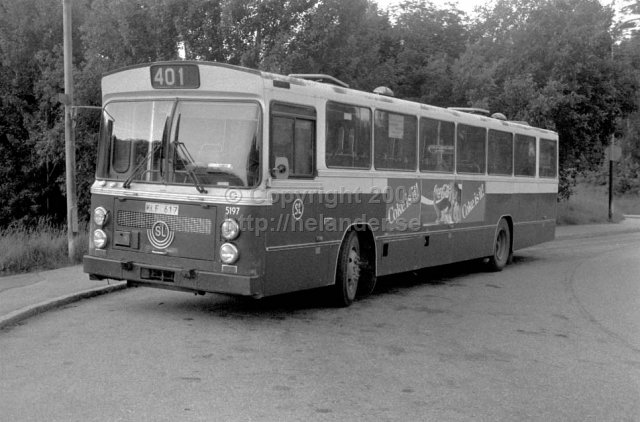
(99, 239)
(228, 253)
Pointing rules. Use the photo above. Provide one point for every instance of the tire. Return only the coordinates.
(367, 282)
(501, 247)
(348, 272)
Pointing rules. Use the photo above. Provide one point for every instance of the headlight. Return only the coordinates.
(228, 253)
(100, 216)
(230, 229)
(99, 239)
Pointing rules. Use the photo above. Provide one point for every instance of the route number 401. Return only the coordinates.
(166, 76)
(175, 76)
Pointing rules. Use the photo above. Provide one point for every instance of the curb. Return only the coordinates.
(589, 235)
(32, 310)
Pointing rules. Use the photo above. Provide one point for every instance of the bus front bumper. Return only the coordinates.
(173, 278)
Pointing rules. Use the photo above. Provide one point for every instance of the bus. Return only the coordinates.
(217, 178)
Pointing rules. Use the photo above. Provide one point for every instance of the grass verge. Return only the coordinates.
(590, 205)
(44, 247)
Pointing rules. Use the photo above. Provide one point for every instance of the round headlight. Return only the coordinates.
(100, 216)
(230, 229)
(99, 239)
(228, 253)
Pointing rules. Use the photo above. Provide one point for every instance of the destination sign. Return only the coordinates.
(179, 76)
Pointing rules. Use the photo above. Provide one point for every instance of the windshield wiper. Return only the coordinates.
(141, 164)
(152, 153)
(186, 156)
(190, 166)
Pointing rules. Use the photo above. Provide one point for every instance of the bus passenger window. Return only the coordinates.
(436, 145)
(500, 153)
(548, 161)
(395, 141)
(471, 144)
(525, 156)
(348, 136)
(293, 137)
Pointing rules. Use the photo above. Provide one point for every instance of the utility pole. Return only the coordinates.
(69, 139)
(610, 157)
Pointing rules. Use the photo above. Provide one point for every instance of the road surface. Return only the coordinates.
(555, 336)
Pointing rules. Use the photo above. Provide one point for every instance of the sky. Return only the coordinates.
(468, 5)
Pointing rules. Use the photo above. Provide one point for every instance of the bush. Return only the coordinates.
(39, 247)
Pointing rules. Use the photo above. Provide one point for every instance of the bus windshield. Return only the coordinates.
(209, 144)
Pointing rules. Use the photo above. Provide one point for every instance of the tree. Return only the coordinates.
(31, 144)
(429, 41)
(553, 66)
(348, 40)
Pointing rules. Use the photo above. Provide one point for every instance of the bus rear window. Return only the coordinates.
(395, 141)
(500, 153)
(348, 138)
(548, 158)
(471, 156)
(524, 157)
(436, 145)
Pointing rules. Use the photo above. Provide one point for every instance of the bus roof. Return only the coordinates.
(322, 86)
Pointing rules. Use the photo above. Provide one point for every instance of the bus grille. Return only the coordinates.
(176, 223)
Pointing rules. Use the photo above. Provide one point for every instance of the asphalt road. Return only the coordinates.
(554, 337)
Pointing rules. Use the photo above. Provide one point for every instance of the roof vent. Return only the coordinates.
(498, 116)
(471, 110)
(383, 90)
(318, 77)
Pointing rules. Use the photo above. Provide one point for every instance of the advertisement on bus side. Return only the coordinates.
(434, 202)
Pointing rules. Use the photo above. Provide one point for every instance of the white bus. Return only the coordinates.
(216, 178)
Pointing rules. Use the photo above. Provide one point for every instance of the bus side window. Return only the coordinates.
(436, 145)
(394, 141)
(548, 162)
(293, 130)
(348, 136)
(525, 156)
(471, 148)
(500, 153)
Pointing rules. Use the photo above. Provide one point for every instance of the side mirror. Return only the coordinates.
(281, 168)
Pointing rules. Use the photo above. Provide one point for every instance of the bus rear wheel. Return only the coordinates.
(501, 247)
(353, 271)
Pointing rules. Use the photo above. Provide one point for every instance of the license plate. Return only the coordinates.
(158, 208)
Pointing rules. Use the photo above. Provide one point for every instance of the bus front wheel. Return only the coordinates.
(501, 247)
(349, 271)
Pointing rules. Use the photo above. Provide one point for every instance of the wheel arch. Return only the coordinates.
(366, 239)
(509, 219)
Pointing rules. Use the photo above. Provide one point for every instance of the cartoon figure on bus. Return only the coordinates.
(446, 202)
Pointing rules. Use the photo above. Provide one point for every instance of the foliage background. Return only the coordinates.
(560, 64)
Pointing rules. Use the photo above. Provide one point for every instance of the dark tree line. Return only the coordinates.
(558, 64)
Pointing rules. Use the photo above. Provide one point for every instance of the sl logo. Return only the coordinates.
(159, 235)
(297, 209)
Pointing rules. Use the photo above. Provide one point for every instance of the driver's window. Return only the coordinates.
(293, 131)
